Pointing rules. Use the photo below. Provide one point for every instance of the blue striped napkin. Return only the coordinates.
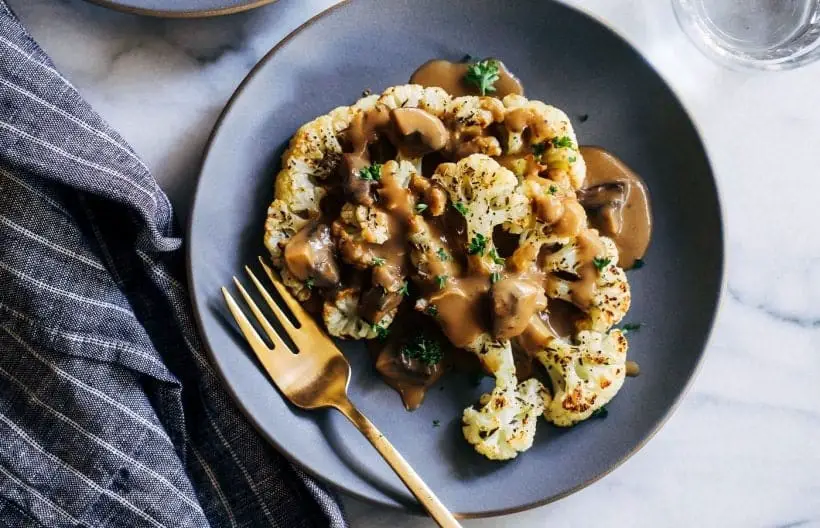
(110, 414)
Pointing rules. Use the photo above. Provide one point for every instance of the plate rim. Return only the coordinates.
(707, 339)
(190, 13)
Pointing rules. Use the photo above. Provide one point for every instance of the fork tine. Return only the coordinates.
(278, 343)
(301, 315)
(257, 313)
(253, 338)
(273, 363)
(284, 320)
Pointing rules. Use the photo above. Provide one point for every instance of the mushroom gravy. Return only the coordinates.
(617, 203)
(450, 76)
(465, 298)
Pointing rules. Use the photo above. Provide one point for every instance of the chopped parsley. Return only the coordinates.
(631, 327)
(431, 309)
(562, 142)
(441, 281)
(495, 277)
(421, 207)
(371, 172)
(309, 283)
(423, 349)
(378, 261)
(601, 263)
(639, 263)
(381, 332)
(553, 189)
(442, 255)
(483, 75)
(539, 148)
(436, 423)
(461, 208)
(572, 159)
(599, 413)
(494, 255)
(477, 245)
(404, 290)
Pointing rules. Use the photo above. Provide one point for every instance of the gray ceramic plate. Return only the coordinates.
(182, 8)
(564, 57)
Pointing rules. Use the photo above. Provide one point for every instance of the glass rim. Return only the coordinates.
(701, 37)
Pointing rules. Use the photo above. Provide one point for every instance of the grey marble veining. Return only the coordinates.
(742, 449)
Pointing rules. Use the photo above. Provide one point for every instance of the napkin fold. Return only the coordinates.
(110, 413)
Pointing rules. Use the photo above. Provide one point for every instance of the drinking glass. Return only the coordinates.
(762, 34)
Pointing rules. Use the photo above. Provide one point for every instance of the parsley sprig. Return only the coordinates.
(423, 349)
(381, 332)
(496, 258)
(483, 75)
(631, 327)
(477, 245)
(562, 142)
(600, 412)
(601, 263)
(371, 172)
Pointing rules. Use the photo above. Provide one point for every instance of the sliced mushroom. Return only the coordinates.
(514, 302)
(378, 302)
(421, 132)
(309, 255)
(356, 188)
(605, 203)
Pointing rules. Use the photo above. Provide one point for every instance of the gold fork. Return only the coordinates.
(318, 376)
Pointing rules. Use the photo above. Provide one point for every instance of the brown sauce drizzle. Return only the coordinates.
(450, 76)
(617, 202)
(466, 302)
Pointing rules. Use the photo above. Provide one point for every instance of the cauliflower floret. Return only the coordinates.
(280, 225)
(298, 288)
(585, 377)
(342, 116)
(427, 253)
(474, 113)
(314, 149)
(488, 195)
(370, 224)
(433, 100)
(504, 425)
(402, 170)
(341, 317)
(551, 130)
(299, 191)
(357, 227)
(313, 153)
(611, 298)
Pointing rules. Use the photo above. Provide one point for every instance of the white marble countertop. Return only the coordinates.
(744, 447)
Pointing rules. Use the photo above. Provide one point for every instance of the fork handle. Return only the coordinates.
(411, 479)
